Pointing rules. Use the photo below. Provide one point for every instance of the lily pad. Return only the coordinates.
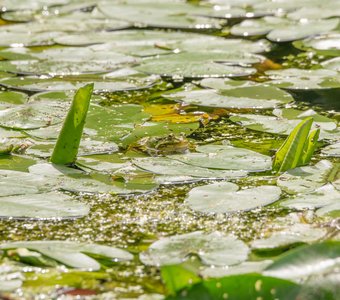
(76, 255)
(320, 197)
(11, 97)
(33, 5)
(332, 210)
(332, 150)
(20, 183)
(160, 15)
(285, 120)
(168, 166)
(305, 261)
(10, 279)
(301, 30)
(321, 11)
(243, 268)
(226, 197)
(211, 43)
(131, 42)
(298, 233)
(306, 179)
(50, 205)
(248, 97)
(258, 27)
(327, 44)
(88, 145)
(105, 83)
(332, 64)
(33, 115)
(201, 65)
(62, 68)
(213, 249)
(76, 21)
(304, 80)
(15, 39)
(226, 157)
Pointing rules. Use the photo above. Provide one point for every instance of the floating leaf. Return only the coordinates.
(258, 27)
(10, 39)
(301, 30)
(304, 80)
(305, 261)
(71, 253)
(298, 233)
(226, 197)
(285, 120)
(332, 64)
(213, 249)
(321, 11)
(332, 150)
(226, 157)
(332, 210)
(201, 65)
(67, 61)
(243, 268)
(326, 44)
(248, 97)
(11, 97)
(242, 92)
(320, 197)
(21, 183)
(102, 83)
(161, 15)
(306, 179)
(167, 166)
(74, 180)
(42, 206)
(10, 279)
(33, 115)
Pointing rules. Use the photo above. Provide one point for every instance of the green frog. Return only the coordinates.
(162, 145)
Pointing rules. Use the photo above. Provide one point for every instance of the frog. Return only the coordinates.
(162, 145)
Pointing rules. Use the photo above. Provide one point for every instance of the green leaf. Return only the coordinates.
(213, 249)
(310, 146)
(177, 277)
(225, 197)
(10, 278)
(241, 287)
(71, 253)
(306, 260)
(308, 178)
(50, 205)
(291, 235)
(290, 153)
(66, 148)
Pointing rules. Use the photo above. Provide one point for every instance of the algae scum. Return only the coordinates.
(172, 195)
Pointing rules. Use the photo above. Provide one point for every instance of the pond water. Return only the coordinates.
(174, 171)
